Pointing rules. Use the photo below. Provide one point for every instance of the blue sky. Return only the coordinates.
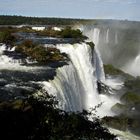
(104, 9)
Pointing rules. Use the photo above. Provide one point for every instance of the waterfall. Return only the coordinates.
(94, 35)
(67, 88)
(75, 85)
(99, 64)
(99, 67)
(107, 36)
(3, 58)
(116, 38)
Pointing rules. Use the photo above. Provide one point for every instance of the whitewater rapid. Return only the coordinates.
(8, 62)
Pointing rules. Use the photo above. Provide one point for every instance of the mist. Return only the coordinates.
(119, 43)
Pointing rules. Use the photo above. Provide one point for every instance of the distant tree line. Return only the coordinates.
(18, 20)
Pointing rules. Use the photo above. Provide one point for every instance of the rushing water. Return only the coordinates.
(116, 46)
(107, 36)
(116, 38)
(107, 41)
(18, 80)
(75, 85)
(11, 60)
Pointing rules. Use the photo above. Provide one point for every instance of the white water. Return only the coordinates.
(107, 36)
(116, 38)
(67, 88)
(99, 64)
(75, 85)
(9, 63)
(5, 60)
(109, 44)
(133, 66)
(94, 35)
(114, 83)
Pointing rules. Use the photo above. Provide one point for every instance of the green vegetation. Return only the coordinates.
(70, 33)
(131, 98)
(67, 32)
(31, 119)
(42, 55)
(39, 53)
(18, 20)
(133, 85)
(122, 123)
(10, 34)
(109, 69)
(91, 44)
(7, 37)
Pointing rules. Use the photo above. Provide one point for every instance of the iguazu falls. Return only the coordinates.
(70, 70)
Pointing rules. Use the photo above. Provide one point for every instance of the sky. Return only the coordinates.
(89, 9)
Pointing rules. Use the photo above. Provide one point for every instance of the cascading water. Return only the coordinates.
(9, 59)
(116, 38)
(107, 36)
(100, 70)
(106, 40)
(116, 46)
(94, 35)
(111, 42)
(17, 79)
(4, 59)
(76, 83)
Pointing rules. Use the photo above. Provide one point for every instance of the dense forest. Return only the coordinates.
(18, 20)
(22, 20)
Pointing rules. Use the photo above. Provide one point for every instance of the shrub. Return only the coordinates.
(39, 53)
(6, 37)
(130, 98)
(70, 33)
